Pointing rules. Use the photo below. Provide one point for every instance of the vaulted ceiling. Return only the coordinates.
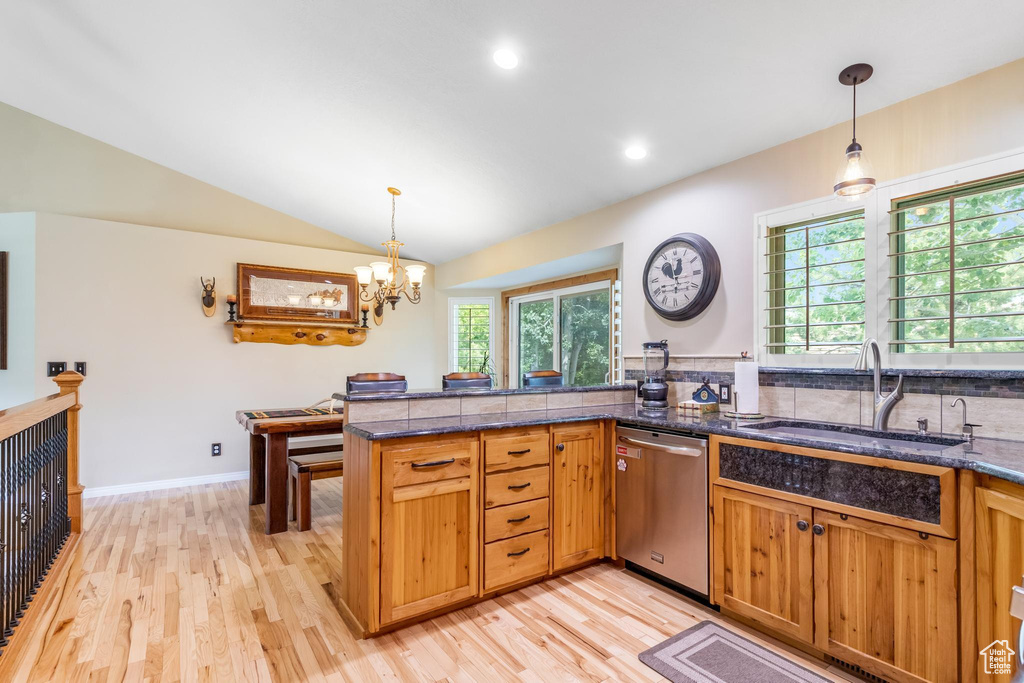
(314, 107)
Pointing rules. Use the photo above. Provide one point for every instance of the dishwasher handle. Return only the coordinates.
(675, 450)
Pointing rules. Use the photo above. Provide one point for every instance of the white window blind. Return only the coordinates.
(470, 335)
(814, 280)
(957, 268)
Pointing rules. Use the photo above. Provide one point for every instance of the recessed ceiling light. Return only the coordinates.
(506, 59)
(636, 152)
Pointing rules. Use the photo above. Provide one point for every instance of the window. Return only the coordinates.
(470, 335)
(568, 329)
(815, 285)
(957, 269)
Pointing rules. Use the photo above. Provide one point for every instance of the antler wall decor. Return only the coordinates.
(209, 296)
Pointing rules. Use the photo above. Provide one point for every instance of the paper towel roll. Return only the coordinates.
(745, 387)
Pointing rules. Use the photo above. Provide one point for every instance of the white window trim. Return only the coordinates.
(513, 323)
(798, 213)
(466, 300)
(876, 265)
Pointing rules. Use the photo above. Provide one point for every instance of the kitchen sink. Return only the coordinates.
(922, 443)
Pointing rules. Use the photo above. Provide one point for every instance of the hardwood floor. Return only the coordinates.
(182, 585)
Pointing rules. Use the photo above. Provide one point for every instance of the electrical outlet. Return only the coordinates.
(80, 367)
(54, 368)
(215, 450)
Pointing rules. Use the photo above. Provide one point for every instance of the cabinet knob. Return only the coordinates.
(818, 529)
(300, 335)
(320, 337)
(801, 525)
(560, 447)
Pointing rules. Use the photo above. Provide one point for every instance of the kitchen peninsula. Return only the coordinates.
(443, 510)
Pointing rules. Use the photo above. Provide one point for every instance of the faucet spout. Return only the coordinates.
(883, 404)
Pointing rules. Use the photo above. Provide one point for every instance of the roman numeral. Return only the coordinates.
(698, 272)
(694, 259)
(657, 291)
(675, 303)
(664, 300)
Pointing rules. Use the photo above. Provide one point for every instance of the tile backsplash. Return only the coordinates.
(995, 399)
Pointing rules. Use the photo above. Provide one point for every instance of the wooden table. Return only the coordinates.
(268, 458)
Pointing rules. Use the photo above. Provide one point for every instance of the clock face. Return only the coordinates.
(681, 276)
(675, 275)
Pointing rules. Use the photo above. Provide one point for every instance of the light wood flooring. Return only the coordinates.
(182, 585)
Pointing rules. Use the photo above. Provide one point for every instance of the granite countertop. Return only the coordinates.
(998, 457)
(443, 393)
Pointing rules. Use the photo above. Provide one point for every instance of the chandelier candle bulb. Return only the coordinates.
(364, 274)
(415, 274)
(381, 271)
(745, 387)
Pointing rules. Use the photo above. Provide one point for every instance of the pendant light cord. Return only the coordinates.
(854, 123)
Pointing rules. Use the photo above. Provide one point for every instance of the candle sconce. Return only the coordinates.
(232, 302)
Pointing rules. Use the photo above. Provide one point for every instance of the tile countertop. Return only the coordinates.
(997, 457)
(445, 393)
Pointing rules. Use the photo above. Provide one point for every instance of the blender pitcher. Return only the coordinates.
(654, 390)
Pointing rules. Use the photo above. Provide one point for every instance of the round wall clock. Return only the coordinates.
(681, 276)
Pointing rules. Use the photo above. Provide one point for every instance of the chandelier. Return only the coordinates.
(393, 279)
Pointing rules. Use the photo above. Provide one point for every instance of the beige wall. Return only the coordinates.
(975, 117)
(45, 167)
(164, 381)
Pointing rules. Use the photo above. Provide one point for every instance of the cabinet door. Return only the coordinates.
(763, 560)
(429, 535)
(578, 495)
(885, 598)
(999, 554)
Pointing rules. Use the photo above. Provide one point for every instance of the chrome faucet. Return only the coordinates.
(966, 428)
(883, 404)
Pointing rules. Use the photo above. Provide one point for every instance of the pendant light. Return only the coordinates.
(855, 177)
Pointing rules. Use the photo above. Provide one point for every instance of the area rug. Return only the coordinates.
(708, 653)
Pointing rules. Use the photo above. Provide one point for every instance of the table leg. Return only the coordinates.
(277, 483)
(257, 467)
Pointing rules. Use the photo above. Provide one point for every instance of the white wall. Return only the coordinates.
(18, 237)
(164, 381)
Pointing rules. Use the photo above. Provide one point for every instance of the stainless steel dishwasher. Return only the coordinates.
(661, 504)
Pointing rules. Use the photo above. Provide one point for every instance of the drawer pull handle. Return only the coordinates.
(522, 452)
(515, 520)
(436, 463)
(518, 487)
(521, 552)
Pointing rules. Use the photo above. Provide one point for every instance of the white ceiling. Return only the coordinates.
(314, 107)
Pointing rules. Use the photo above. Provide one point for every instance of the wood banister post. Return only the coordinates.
(69, 382)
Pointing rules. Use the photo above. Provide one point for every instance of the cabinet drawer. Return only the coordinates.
(515, 487)
(515, 559)
(424, 464)
(510, 452)
(513, 520)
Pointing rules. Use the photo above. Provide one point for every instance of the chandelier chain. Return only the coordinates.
(392, 217)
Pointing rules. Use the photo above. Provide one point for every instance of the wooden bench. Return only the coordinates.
(302, 470)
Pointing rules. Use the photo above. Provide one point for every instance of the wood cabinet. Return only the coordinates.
(763, 560)
(885, 598)
(578, 494)
(428, 528)
(432, 523)
(999, 566)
